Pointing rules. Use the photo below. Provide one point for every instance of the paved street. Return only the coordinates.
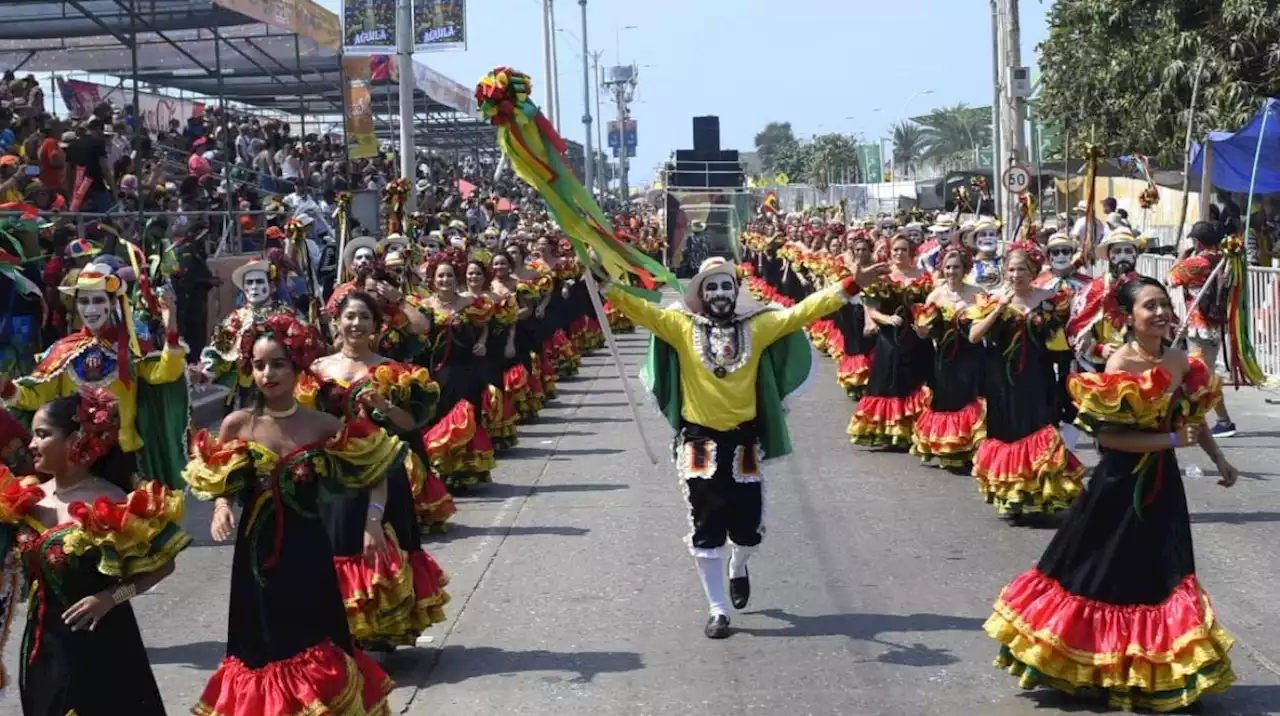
(573, 593)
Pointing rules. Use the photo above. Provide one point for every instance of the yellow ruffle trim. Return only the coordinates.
(950, 450)
(216, 469)
(393, 613)
(368, 455)
(397, 381)
(1198, 665)
(1053, 484)
(150, 537)
(895, 431)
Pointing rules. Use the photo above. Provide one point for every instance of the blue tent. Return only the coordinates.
(1233, 154)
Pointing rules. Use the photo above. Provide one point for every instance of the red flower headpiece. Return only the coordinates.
(1032, 251)
(956, 249)
(99, 418)
(299, 341)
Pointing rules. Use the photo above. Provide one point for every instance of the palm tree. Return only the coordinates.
(908, 147)
(954, 134)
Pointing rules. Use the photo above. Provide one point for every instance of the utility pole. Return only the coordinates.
(404, 53)
(622, 80)
(601, 162)
(555, 65)
(588, 161)
(997, 157)
(548, 82)
(1013, 115)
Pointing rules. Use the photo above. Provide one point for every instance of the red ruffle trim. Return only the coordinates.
(499, 416)
(882, 422)
(525, 392)
(854, 371)
(448, 439)
(324, 679)
(950, 437)
(618, 320)
(1034, 474)
(434, 504)
(1040, 606)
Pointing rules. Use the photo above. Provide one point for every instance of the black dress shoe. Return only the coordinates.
(717, 627)
(740, 590)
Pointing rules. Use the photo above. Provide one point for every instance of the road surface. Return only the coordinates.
(573, 594)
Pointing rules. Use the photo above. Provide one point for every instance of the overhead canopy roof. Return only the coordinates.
(170, 35)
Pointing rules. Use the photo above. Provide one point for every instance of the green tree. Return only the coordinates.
(909, 144)
(793, 159)
(1119, 72)
(774, 143)
(833, 158)
(953, 135)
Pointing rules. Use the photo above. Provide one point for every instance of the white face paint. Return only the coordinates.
(257, 287)
(361, 258)
(720, 295)
(944, 237)
(94, 308)
(915, 235)
(987, 240)
(1124, 258)
(1060, 258)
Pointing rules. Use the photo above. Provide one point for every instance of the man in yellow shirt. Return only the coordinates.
(719, 375)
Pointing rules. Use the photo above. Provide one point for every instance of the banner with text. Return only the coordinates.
(362, 140)
(156, 110)
(303, 17)
(439, 25)
(368, 26)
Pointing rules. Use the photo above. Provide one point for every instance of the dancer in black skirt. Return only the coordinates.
(896, 393)
(289, 650)
(1114, 604)
(853, 326)
(953, 425)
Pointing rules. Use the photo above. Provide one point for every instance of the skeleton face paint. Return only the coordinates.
(720, 295)
(257, 287)
(987, 240)
(94, 308)
(1124, 258)
(361, 258)
(1060, 258)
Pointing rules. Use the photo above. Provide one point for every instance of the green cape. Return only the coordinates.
(785, 366)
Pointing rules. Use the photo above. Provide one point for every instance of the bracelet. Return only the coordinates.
(377, 507)
(1173, 440)
(123, 593)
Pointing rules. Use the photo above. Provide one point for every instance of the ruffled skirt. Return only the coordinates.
(459, 447)
(324, 679)
(950, 438)
(1032, 476)
(396, 598)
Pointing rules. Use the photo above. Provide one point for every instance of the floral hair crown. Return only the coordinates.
(1031, 249)
(300, 342)
(98, 416)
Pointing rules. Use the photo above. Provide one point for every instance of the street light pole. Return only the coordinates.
(893, 154)
(602, 166)
(548, 102)
(555, 65)
(404, 55)
(589, 157)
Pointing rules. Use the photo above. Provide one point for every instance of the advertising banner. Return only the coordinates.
(303, 17)
(368, 26)
(625, 138)
(439, 25)
(155, 110)
(439, 88)
(362, 140)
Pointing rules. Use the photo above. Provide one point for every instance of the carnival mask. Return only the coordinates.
(362, 257)
(1060, 258)
(94, 308)
(1123, 258)
(720, 296)
(257, 288)
(987, 240)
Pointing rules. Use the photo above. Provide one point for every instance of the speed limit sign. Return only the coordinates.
(1016, 179)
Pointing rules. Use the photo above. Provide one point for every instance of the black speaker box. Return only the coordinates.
(706, 134)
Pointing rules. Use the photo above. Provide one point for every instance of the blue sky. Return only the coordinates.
(810, 62)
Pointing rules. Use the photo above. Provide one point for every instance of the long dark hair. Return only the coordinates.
(1127, 296)
(115, 466)
(368, 300)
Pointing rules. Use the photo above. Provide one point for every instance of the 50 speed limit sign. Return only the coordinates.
(1016, 179)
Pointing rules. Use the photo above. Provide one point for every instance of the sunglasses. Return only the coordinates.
(1060, 252)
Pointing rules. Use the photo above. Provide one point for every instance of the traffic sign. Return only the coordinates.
(1016, 179)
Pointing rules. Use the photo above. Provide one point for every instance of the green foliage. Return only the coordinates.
(774, 145)
(909, 144)
(832, 159)
(952, 135)
(1119, 72)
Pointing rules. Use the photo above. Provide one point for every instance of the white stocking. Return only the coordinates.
(711, 570)
(738, 560)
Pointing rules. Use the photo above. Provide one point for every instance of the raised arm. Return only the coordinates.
(666, 325)
(771, 326)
